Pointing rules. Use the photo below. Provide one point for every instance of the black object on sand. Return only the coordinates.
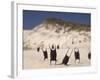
(89, 55)
(77, 55)
(45, 54)
(66, 58)
(38, 49)
(53, 54)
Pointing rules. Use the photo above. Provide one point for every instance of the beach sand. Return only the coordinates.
(43, 38)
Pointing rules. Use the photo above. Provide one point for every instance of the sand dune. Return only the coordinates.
(41, 37)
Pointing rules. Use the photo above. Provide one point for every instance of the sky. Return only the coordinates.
(33, 18)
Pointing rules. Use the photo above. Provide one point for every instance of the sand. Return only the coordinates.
(40, 37)
(34, 59)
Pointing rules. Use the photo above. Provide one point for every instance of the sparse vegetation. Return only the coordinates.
(27, 46)
(65, 24)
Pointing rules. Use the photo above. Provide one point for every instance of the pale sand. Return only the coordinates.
(33, 39)
(34, 59)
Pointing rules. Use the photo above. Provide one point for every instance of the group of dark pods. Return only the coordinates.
(65, 60)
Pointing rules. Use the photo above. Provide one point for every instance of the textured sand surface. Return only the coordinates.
(40, 37)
